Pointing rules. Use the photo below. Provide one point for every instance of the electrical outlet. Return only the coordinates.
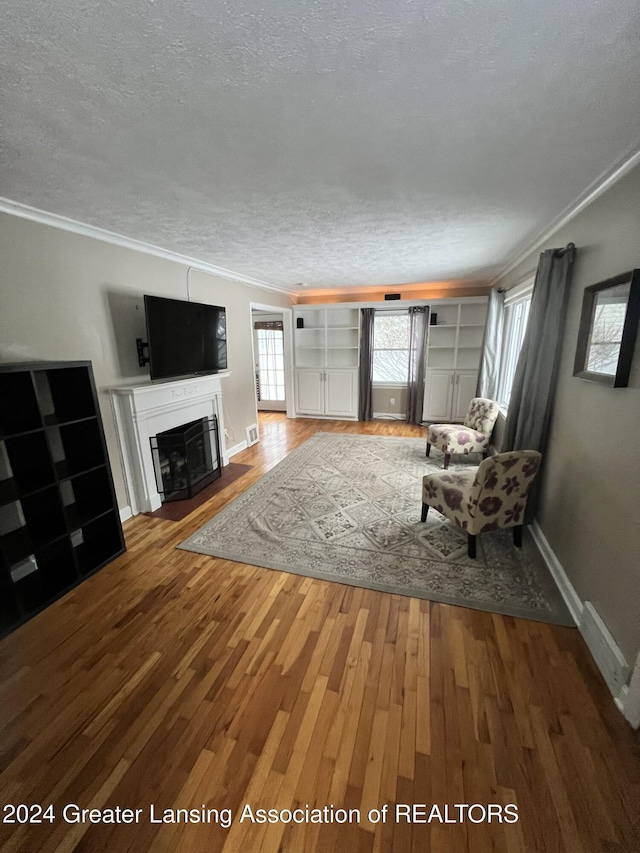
(226, 433)
(392, 400)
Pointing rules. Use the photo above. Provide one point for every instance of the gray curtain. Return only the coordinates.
(534, 383)
(365, 390)
(489, 371)
(418, 327)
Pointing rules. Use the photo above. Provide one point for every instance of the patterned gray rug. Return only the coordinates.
(346, 508)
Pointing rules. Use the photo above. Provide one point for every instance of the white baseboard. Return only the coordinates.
(603, 648)
(571, 597)
(628, 700)
(237, 448)
(125, 513)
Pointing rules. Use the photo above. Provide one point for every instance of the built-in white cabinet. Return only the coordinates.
(327, 342)
(448, 393)
(453, 355)
(327, 392)
(327, 347)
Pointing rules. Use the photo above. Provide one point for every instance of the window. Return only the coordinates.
(391, 348)
(516, 314)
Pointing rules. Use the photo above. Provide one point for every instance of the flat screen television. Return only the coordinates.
(185, 338)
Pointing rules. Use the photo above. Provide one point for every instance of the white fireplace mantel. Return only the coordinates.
(144, 410)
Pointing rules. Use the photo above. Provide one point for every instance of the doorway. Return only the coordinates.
(269, 360)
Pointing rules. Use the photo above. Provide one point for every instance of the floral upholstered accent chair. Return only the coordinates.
(489, 497)
(472, 437)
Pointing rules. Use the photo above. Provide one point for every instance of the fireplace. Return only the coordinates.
(186, 458)
(147, 409)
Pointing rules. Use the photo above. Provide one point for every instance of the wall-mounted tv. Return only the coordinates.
(185, 338)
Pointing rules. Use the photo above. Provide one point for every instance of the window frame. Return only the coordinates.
(517, 307)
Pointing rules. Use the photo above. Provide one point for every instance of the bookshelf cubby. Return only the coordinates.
(59, 520)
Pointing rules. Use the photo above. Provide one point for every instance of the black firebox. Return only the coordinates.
(186, 459)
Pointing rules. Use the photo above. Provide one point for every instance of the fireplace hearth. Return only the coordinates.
(186, 458)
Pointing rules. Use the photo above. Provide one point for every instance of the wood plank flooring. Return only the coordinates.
(185, 682)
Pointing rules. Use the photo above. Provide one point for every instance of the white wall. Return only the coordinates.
(65, 296)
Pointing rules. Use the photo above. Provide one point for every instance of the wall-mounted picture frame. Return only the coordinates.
(608, 330)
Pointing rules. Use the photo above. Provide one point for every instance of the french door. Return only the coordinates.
(270, 368)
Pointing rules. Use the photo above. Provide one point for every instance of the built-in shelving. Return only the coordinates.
(328, 337)
(453, 355)
(59, 520)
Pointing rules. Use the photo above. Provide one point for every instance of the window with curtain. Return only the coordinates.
(390, 348)
(270, 361)
(516, 315)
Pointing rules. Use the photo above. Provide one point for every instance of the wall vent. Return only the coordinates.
(252, 434)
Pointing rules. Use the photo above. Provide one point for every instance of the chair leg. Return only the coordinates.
(447, 457)
(428, 449)
(425, 510)
(517, 536)
(471, 546)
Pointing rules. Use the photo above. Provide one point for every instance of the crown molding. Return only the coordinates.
(25, 211)
(618, 169)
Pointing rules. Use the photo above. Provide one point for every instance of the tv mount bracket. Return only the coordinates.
(142, 358)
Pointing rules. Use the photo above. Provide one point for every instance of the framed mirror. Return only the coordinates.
(608, 330)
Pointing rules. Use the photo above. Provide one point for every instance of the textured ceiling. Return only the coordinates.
(379, 142)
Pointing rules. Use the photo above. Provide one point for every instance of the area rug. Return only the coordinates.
(346, 508)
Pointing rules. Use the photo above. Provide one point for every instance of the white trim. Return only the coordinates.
(604, 649)
(392, 385)
(125, 513)
(628, 700)
(602, 646)
(237, 448)
(571, 597)
(618, 169)
(24, 211)
(523, 290)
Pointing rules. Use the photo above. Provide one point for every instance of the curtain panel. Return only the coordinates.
(418, 327)
(365, 386)
(534, 384)
(489, 371)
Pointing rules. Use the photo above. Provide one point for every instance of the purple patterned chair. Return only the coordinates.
(489, 497)
(472, 437)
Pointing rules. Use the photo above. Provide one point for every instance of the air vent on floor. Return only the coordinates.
(252, 434)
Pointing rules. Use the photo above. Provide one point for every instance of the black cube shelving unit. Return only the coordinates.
(59, 520)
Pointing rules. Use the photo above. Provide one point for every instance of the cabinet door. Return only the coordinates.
(464, 390)
(340, 393)
(309, 387)
(438, 395)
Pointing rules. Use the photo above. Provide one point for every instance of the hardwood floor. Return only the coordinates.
(185, 682)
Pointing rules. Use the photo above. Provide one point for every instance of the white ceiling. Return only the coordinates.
(374, 142)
